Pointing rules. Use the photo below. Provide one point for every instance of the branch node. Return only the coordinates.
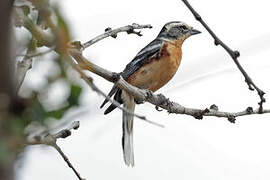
(236, 54)
(197, 17)
(149, 95)
(131, 31)
(65, 133)
(165, 102)
(89, 78)
(108, 29)
(138, 26)
(170, 105)
(250, 86)
(199, 115)
(249, 110)
(261, 93)
(115, 77)
(263, 100)
(214, 107)
(162, 98)
(76, 45)
(231, 119)
(114, 36)
(206, 111)
(76, 125)
(157, 108)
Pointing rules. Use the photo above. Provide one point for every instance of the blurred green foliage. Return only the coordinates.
(48, 29)
(48, 18)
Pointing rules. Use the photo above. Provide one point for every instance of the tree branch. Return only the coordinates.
(22, 67)
(90, 82)
(148, 96)
(130, 29)
(234, 55)
(38, 134)
(36, 54)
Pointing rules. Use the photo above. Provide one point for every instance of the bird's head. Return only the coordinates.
(177, 30)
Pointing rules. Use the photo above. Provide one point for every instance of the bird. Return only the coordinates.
(151, 68)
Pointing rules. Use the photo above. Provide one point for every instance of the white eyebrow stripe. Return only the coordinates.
(176, 24)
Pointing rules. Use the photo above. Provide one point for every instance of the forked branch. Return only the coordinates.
(38, 134)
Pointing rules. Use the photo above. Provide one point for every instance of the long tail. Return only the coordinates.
(127, 138)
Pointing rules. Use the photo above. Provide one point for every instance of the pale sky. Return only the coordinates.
(211, 149)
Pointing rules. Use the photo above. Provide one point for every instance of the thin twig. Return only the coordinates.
(59, 150)
(25, 64)
(234, 55)
(22, 67)
(63, 134)
(36, 54)
(130, 29)
(38, 134)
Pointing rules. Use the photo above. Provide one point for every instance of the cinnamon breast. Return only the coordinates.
(159, 69)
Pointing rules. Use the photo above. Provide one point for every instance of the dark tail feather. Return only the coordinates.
(113, 90)
(109, 109)
(117, 97)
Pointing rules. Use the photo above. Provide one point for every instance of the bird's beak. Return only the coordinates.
(194, 31)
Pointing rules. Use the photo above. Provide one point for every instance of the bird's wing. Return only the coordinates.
(151, 50)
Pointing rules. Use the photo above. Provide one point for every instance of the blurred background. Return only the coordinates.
(186, 148)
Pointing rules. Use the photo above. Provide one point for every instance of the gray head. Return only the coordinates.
(177, 30)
